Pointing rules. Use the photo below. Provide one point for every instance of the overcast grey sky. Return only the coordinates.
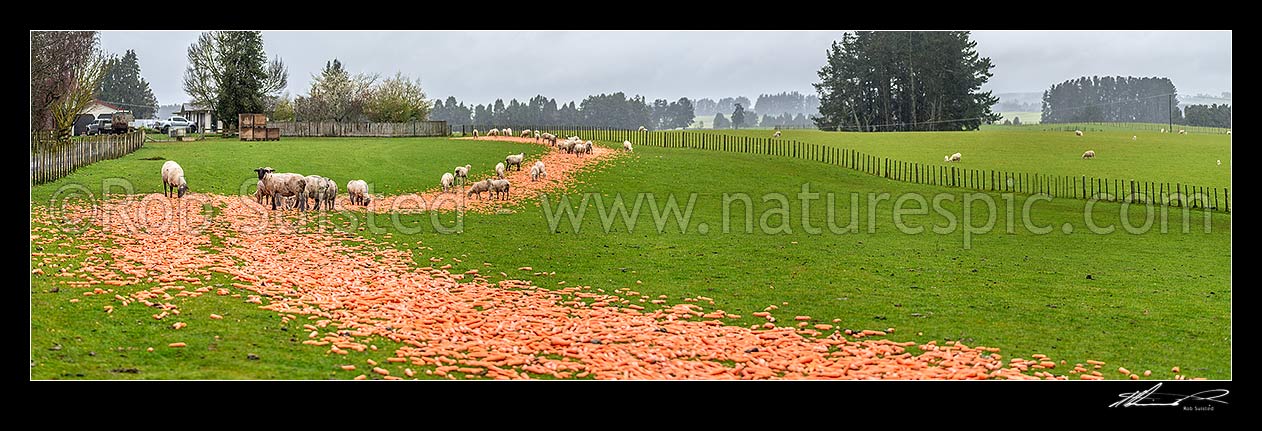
(479, 66)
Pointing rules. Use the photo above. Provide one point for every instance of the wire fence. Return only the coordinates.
(1158, 193)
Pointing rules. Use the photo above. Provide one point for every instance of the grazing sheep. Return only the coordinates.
(514, 160)
(525, 133)
(358, 192)
(475, 133)
(1228, 132)
(626, 145)
(493, 132)
(535, 172)
(1090, 154)
(1220, 162)
(1134, 138)
(586, 148)
(536, 136)
(573, 138)
(952, 158)
(173, 179)
(448, 181)
(1163, 130)
(1183, 132)
(946, 158)
(499, 170)
(479, 187)
(284, 185)
(539, 165)
(462, 174)
(315, 190)
(330, 193)
(565, 146)
(642, 129)
(776, 135)
(507, 131)
(552, 139)
(500, 186)
(1078, 132)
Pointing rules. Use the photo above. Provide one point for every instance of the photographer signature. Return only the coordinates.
(1151, 398)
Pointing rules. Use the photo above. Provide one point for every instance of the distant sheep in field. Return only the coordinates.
(1078, 132)
(567, 146)
(475, 133)
(1134, 138)
(525, 133)
(1090, 154)
(1163, 130)
(642, 129)
(358, 192)
(173, 179)
(493, 132)
(1220, 162)
(1183, 132)
(462, 173)
(626, 145)
(507, 131)
(499, 170)
(479, 187)
(448, 181)
(536, 136)
(500, 186)
(952, 158)
(583, 148)
(537, 171)
(776, 135)
(1229, 133)
(514, 160)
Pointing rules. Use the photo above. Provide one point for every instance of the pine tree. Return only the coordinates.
(738, 116)
(124, 86)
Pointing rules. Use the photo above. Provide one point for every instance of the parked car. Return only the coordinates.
(176, 121)
(101, 125)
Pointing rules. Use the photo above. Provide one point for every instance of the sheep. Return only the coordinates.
(1078, 132)
(776, 135)
(358, 192)
(642, 129)
(500, 186)
(536, 136)
(536, 171)
(1229, 133)
(586, 148)
(573, 138)
(1183, 132)
(447, 181)
(952, 158)
(525, 133)
(173, 179)
(462, 174)
(565, 146)
(1090, 154)
(507, 131)
(539, 165)
(1134, 138)
(284, 185)
(330, 193)
(493, 132)
(627, 146)
(475, 133)
(479, 187)
(1220, 162)
(514, 160)
(499, 170)
(552, 139)
(1163, 130)
(316, 187)
(260, 192)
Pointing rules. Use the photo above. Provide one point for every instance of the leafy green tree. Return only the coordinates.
(123, 86)
(228, 72)
(335, 95)
(396, 100)
(721, 122)
(284, 109)
(738, 117)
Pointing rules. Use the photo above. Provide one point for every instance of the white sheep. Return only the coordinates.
(1183, 132)
(315, 188)
(358, 192)
(539, 165)
(475, 133)
(284, 185)
(448, 181)
(1220, 162)
(535, 173)
(330, 193)
(536, 136)
(776, 135)
(479, 187)
(1090, 154)
(507, 131)
(626, 145)
(952, 158)
(642, 129)
(499, 170)
(514, 160)
(462, 173)
(1163, 130)
(493, 132)
(1228, 132)
(1134, 138)
(260, 193)
(525, 133)
(173, 179)
(500, 186)
(1078, 132)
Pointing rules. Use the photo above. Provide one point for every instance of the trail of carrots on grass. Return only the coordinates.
(462, 323)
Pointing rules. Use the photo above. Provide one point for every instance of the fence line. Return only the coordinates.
(331, 128)
(51, 159)
(1147, 127)
(1065, 186)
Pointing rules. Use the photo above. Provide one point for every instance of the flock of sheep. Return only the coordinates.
(498, 185)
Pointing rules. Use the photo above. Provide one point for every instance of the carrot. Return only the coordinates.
(381, 371)
(216, 317)
(361, 377)
(1175, 370)
(802, 318)
(348, 367)
(176, 345)
(1123, 370)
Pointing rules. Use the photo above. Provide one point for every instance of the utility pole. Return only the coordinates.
(1170, 112)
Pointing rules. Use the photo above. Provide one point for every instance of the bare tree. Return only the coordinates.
(54, 56)
(85, 78)
(204, 71)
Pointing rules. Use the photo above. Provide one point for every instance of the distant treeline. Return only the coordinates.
(1111, 98)
(1207, 115)
(603, 110)
(767, 104)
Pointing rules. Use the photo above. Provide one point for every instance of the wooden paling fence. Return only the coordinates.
(1065, 186)
(51, 159)
(330, 128)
